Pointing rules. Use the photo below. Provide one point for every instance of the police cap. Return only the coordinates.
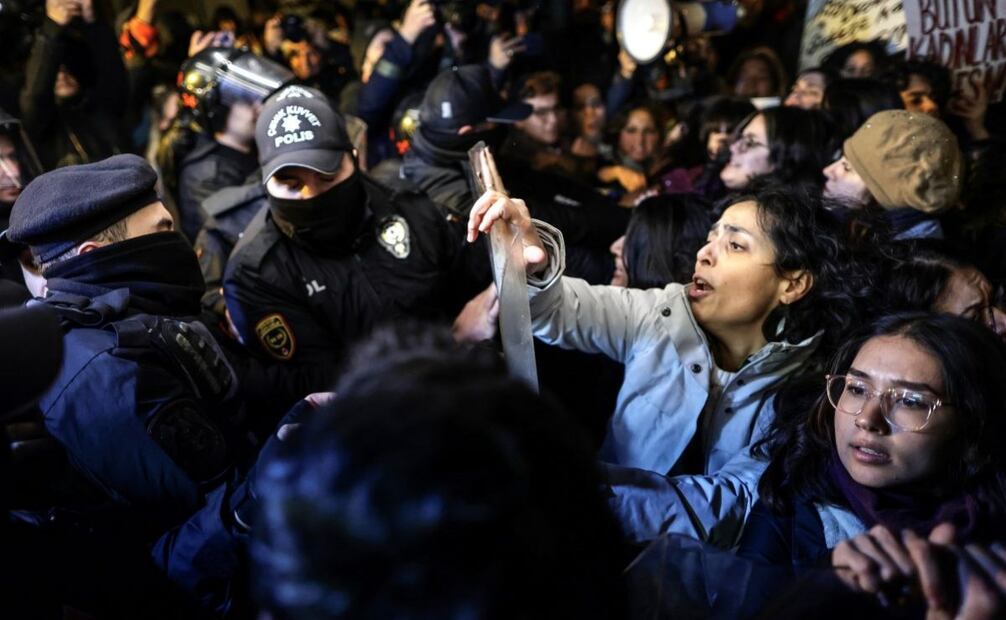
(300, 127)
(61, 208)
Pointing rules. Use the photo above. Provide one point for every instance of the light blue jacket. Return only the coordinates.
(667, 381)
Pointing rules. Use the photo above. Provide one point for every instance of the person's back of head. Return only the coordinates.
(663, 236)
(433, 486)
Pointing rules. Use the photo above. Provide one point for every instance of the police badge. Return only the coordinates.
(276, 337)
(393, 233)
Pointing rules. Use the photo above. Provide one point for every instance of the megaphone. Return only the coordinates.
(645, 27)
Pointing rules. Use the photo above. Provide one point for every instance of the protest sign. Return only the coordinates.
(833, 23)
(966, 36)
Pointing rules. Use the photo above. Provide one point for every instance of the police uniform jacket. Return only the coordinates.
(139, 411)
(301, 309)
(229, 212)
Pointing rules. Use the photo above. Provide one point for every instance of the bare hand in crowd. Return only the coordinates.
(876, 560)
(629, 179)
(972, 111)
(872, 560)
(477, 321)
(946, 569)
(502, 50)
(493, 206)
(201, 40)
(62, 11)
(626, 65)
(272, 35)
(418, 17)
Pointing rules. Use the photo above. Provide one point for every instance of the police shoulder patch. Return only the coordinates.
(276, 336)
(393, 234)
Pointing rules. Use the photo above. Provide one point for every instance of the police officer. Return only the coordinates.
(223, 89)
(336, 252)
(460, 108)
(140, 399)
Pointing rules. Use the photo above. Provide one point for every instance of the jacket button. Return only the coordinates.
(666, 312)
(696, 368)
(729, 410)
(740, 382)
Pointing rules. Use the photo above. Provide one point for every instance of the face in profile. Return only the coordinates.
(894, 378)
(620, 277)
(749, 155)
(845, 185)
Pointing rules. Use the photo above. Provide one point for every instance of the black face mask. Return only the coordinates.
(160, 270)
(327, 223)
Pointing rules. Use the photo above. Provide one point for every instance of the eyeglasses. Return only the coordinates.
(904, 409)
(746, 143)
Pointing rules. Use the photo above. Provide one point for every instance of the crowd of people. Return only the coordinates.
(252, 358)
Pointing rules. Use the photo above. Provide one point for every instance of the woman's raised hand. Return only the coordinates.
(494, 206)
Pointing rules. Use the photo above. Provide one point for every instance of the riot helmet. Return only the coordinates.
(216, 78)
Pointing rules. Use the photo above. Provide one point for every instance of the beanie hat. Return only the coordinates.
(907, 159)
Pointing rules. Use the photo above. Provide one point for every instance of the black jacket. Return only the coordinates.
(142, 423)
(208, 168)
(89, 129)
(301, 309)
(589, 222)
(229, 212)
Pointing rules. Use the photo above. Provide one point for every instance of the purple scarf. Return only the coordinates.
(899, 510)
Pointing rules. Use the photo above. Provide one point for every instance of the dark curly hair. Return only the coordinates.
(800, 446)
(806, 236)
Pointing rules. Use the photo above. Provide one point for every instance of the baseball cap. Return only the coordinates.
(298, 126)
(463, 96)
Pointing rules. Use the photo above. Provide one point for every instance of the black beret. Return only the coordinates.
(62, 208)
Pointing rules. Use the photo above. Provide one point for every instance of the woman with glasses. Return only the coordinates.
(904, 435)
(773, 284)
(789, 143)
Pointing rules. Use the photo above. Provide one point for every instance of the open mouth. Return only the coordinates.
(700, 288)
